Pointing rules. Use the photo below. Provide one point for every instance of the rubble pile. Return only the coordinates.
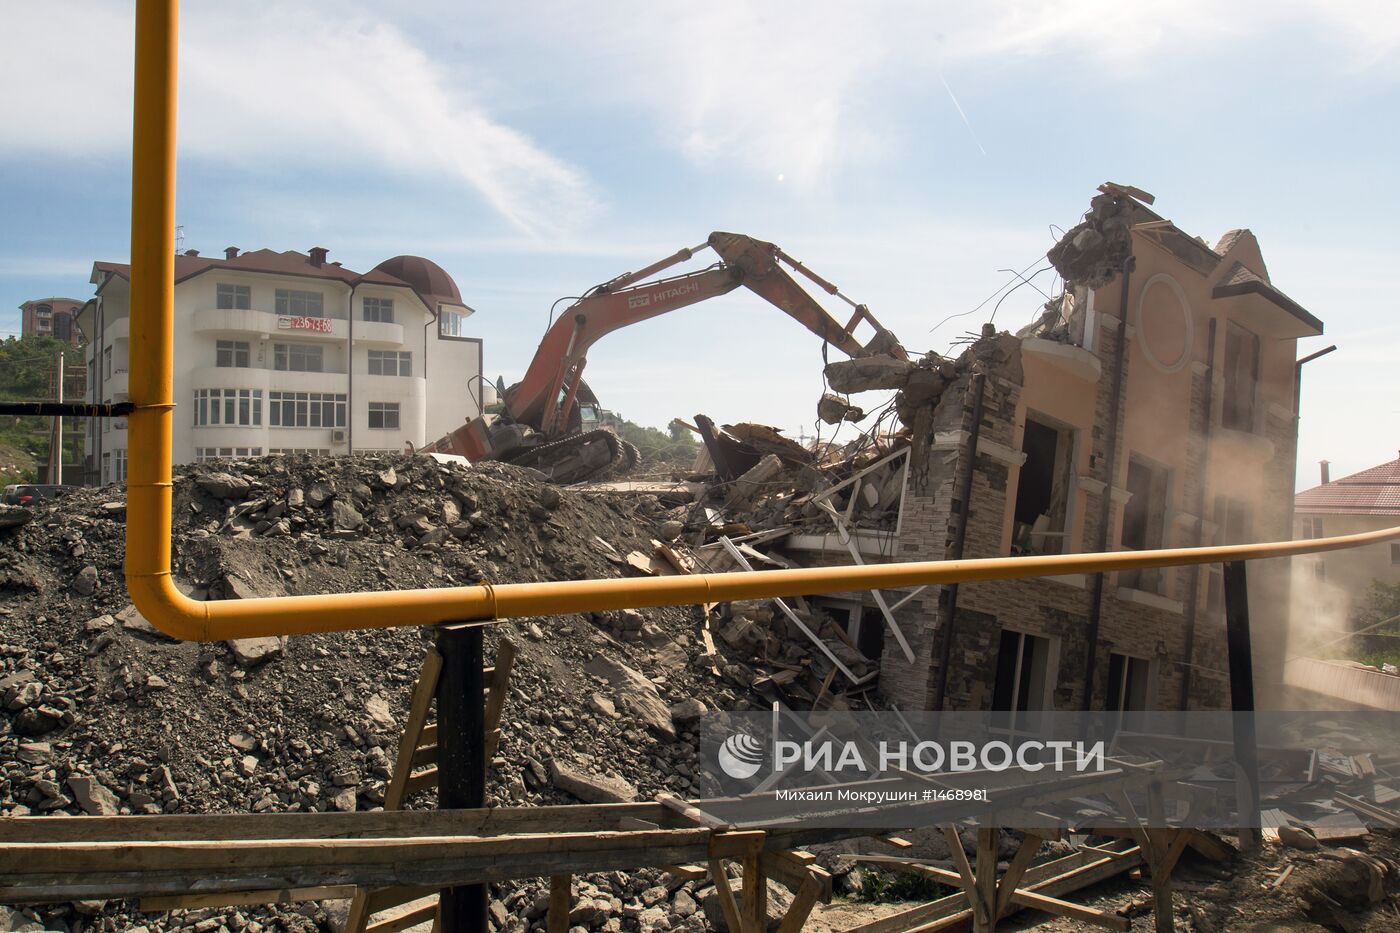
(104, 715)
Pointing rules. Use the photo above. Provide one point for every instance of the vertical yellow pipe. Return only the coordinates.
(152, 304)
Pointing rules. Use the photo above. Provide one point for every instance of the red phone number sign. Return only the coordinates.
(304, 323)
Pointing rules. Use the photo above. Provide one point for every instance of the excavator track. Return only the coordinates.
(579, 457)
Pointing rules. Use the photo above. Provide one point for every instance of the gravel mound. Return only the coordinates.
(101, 714)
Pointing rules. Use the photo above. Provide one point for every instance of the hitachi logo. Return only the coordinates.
(665, 293)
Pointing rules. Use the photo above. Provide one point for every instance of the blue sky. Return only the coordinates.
(907, 152)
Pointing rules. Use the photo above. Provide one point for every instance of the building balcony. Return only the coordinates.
(243, 377)
(375, 333)
(116, 329)
(266, 325)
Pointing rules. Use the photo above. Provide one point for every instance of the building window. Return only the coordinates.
(390, 363)
(306, 409)
(233, 297)
(118, 465)
(1312, 528)
(293, 303)
(231, 353)
(452, 323)
(1232, 526)
(380, 310)
(1023, 680)
(106, 468)
(384, 415)
(1129, 689)
(228, 407)
(107, 363)
(1042, 492)
(1395, 554)
(226, 453)
(1144, 522)
(1241, 378)
(300, 451)
(298, 357)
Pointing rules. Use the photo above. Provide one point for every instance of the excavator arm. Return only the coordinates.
(544, 399)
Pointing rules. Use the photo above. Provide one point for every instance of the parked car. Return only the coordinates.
(30, 493)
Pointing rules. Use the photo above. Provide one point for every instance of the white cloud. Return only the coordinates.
(807, 89)
(283, 86)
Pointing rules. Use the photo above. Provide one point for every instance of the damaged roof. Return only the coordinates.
(1371, 492)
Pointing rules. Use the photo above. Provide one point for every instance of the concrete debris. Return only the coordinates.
(13, 516)
(590, 788)
(1092, 253)
(832, 409)
(868, 373)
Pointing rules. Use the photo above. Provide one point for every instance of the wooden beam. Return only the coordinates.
(965, 878)
(409, 918)
(1057, 877)
(1037, 901)
(496, 695)
(727, 905)
(560, 902)
(754, 907)
(332, 892)
(423, 693)
(987, 873)
(1030, 845)
(802, 903)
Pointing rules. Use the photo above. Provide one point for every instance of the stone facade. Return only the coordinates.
(1201, 461)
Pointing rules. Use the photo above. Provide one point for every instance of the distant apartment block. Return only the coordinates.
(52, 317)
(287, 352)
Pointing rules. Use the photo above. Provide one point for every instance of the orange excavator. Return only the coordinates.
(549, 418)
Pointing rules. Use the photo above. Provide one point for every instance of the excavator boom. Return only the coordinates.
(545, 398)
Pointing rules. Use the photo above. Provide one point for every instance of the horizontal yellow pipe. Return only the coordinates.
(149, 484)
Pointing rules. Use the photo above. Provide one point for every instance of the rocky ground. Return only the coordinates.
(100, 714)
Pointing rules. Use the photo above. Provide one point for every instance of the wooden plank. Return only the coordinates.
(725, 892)
(496, 697)
(692, 813)
(384, 898)
(801, 907)
(1057, 877)
(753, 909)
(560, 903)
(417, 783)
(405, 920)
(1162, 912)
(685, 872)
(238, 898)
(331, 825)
(1025, 854)
(987, 873)
(965, 879)
(794, 872)
(423, 692)
(1037, 901)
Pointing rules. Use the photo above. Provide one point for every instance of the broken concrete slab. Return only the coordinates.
(832, 409)
(132, 620)
(252, 652)
(590, 788)
(635, 692)
(95, 799)
(224, 485)
(868, 373)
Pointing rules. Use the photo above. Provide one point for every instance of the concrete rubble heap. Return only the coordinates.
(100, 713)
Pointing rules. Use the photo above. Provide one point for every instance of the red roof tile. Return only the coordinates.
(1371, 492)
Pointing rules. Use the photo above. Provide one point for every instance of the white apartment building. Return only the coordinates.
(290, 353)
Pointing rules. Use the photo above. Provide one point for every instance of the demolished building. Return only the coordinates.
(1152, 405)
